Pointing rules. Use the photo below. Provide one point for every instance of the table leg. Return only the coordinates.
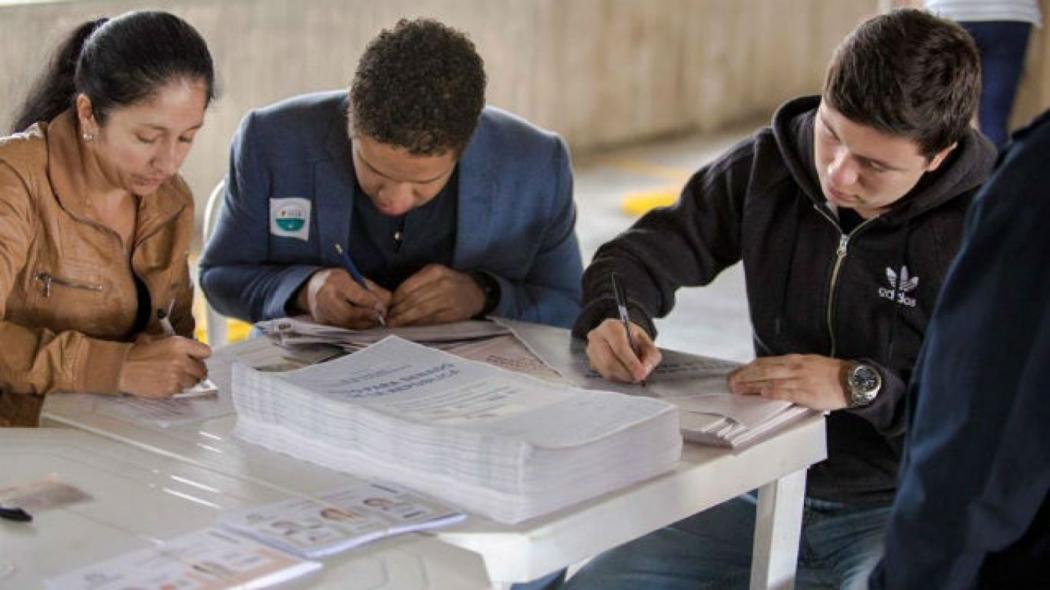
(778, 525)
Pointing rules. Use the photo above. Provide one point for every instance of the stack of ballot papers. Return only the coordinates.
(490, 441)
(211, 559)
(340, 519)
(708, 412)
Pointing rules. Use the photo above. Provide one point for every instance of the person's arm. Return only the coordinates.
(37, 360)
(235, 270)
(687, 244)
(550, 292)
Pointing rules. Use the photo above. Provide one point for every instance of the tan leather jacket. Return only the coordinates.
(67, 292)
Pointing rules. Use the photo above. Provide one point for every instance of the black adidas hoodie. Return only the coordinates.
(866, 295)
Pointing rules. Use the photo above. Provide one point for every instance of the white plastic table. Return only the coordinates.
(140, 497)
(705, 477)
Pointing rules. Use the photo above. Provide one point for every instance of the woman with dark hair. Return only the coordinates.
(95, 223)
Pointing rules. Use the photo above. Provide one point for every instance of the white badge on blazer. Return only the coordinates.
(290, 217)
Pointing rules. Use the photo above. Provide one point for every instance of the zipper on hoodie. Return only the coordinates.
(840, 255)
(49, 279)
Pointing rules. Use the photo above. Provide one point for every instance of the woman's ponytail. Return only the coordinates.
(54, 92)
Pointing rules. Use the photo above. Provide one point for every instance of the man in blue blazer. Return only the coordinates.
(443, 208)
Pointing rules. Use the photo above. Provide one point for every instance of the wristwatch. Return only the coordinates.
(490, 288)
(862, 384)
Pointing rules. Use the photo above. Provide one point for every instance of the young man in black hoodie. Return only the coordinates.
(846, 214)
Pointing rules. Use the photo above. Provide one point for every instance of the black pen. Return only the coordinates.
(15, 514)
(621, 306)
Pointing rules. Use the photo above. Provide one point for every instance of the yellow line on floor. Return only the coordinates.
(643, 168)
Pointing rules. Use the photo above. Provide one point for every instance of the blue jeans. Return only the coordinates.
(1002, 45)
(840, 545)
(548, 582)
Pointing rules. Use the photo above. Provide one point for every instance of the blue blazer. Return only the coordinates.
(289, 195)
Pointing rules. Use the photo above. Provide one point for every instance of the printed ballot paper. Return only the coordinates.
(708, 412)
(210, 559)
(339, 519)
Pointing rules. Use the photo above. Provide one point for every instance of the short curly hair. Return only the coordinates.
(419, 86)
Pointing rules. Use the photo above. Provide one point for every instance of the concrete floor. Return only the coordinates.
(711, 320)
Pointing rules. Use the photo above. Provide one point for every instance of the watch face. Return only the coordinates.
(863, 379)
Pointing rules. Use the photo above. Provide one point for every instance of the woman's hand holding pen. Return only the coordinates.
(611, 355)
(332, 297)
(160, 368)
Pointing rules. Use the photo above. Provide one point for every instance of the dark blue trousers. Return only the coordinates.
(1002, 45)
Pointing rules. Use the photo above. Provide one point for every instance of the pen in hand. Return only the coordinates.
(348, 264)
(621, 306)
(164, 318)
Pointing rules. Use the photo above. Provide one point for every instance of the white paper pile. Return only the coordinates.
(340, 519)
(493, 442)
(302, 333)
(507, 352)
(727, 420)
(708, 412)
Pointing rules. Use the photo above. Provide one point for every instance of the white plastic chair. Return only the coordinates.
(215, 321)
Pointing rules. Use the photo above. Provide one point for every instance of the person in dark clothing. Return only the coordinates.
(973, 507)
(846, 213)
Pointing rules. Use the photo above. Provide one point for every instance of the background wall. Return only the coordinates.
(599, 72)
(1033, 97)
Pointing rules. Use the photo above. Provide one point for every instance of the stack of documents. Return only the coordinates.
(340, 519)
(301, 332)
(211, 559)
(506, 352)
(502, 444)
(708, 412)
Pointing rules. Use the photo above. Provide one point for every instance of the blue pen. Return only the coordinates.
(355, 274)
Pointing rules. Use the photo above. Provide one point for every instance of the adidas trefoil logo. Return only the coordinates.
(900, 285)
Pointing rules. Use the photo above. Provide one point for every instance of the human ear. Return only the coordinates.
(938, 158)
(86, 115)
